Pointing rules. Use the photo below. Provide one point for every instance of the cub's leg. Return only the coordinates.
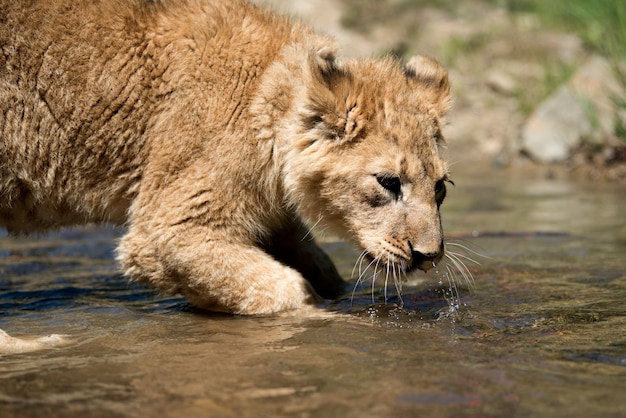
(294, 246)
(214, 273)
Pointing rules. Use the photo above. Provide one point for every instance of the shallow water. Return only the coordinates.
(542, 334)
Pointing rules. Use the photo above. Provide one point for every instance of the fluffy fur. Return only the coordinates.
(215, 131)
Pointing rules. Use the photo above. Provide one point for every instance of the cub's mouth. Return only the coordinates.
(424, 264)
(425, 261)
(405, 263)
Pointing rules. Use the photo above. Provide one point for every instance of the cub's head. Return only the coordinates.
(365, 162)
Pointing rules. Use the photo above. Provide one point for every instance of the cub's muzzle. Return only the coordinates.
(426, 260)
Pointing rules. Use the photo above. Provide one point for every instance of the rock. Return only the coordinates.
(584, 109)
(501, 82)
(557, 126)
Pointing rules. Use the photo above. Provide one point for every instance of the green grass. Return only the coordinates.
(455, 47)
(600, 23)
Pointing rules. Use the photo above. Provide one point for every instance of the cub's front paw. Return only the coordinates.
(259, 295)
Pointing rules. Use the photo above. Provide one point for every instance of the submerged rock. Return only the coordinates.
(584, 109)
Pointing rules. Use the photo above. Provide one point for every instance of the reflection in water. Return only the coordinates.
(542, 334)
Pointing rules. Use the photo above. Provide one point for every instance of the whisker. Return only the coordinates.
(457, 266)
(466, 257)
(374, 276)
(363, 272)
(309, 233)
(462, 268)
(452, 295)
(386, 278)
(460, 264)
(454, 292)
(374, 279)
(398, 284)
(359, 263)
(466, 248)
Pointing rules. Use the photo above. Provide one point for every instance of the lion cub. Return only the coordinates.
(215, 131)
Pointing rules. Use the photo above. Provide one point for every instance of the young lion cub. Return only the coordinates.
(215, 132)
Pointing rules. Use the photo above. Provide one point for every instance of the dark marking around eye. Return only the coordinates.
(377, 199)
(390, 183)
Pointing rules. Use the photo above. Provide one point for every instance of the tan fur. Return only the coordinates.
(215, 132)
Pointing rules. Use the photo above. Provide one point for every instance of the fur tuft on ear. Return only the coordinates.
(328, 108)
(325, 55)
(323, 68)
(431, 76)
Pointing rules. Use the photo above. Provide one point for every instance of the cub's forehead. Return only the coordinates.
(411, 159)
(427, 163)
(405, 119)
(411, 127)
(414, 140)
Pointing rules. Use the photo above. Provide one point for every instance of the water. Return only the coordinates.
(542, 334)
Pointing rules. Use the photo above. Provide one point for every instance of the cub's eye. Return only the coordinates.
(440, 190)
(440, 186)
(390, 182)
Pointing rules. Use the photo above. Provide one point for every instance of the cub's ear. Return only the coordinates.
(329, 109)
(322, 64)
(430, 77)
(323, 75)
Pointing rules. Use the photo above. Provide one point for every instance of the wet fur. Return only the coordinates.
(215, 131)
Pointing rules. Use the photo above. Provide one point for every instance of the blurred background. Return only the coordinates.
(538, 86)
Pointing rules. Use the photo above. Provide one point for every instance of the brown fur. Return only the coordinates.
(215, 132)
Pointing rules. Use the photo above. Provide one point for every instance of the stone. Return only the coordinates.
(583, 109)
(501, 82)
(556, 127)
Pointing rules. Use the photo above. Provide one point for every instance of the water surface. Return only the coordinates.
(542, 334)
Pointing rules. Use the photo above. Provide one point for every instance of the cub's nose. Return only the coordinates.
(426, 260)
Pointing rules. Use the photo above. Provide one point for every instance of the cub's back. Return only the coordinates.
(68, 125)
(89, 89)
